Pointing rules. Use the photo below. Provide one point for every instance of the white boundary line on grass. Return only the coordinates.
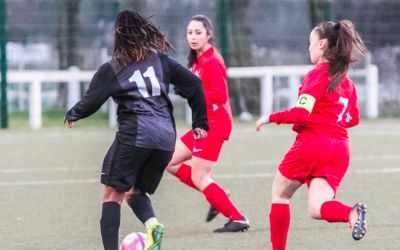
(249, 163)
(222, 176)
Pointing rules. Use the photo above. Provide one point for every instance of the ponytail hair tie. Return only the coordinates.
(337, 26)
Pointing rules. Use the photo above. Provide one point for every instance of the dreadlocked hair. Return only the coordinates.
(135, 37)
(344, 43)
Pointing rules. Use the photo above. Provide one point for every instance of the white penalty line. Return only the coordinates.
(221, 176)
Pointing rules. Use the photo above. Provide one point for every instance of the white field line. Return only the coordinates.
(168, 177)
(46, 183)
(42, 170)
(249, 163)
(221, 176)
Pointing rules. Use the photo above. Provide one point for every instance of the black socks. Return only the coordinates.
(141, 207)
(109, 225)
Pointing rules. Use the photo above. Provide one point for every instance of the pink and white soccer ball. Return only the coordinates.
(133, 241)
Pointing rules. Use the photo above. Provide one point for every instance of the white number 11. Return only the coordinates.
(138, 78)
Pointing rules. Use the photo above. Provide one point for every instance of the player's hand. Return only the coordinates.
(199, 133)
(261, 121)
(69, 123)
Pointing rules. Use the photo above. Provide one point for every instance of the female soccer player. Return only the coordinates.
(208, 64)
(137, 78)
(326, 106)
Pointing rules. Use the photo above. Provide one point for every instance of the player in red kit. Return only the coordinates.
(320, 155)
(208, 64)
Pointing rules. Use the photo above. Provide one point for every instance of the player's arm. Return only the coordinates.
(217, 91)
(190, 88)
(298, 114)
(96, 95)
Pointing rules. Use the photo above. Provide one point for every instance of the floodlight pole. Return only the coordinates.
(3, 63)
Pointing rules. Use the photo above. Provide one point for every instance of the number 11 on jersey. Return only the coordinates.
(137, 77)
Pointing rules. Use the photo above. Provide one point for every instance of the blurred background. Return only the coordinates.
(57, 34)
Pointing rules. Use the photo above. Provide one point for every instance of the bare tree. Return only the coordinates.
(245, 91)
(67, 42)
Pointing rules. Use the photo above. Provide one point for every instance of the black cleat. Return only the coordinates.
(359, 228)
(234, 226)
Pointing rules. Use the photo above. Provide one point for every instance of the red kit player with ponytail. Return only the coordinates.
(320, 156)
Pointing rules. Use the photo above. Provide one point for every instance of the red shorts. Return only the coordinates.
(208, 148)
(316, 156)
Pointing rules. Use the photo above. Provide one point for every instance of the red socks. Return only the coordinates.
(214, 194)
(335, 211)
(279, 220)
(184, 174)
(218, 198)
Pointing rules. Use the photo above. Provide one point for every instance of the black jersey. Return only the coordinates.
(141, 91)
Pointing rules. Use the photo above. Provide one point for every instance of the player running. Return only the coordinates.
(137, 78)
(208, 64)
(320, 155)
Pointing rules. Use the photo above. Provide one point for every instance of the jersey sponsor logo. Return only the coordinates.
(215, 107)
(195, 150)
(348, 117)
(306, 101)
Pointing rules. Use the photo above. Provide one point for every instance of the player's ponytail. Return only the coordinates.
(192, 57)
(344, 43)
(135, 37)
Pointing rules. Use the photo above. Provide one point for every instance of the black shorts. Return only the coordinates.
(128, 166)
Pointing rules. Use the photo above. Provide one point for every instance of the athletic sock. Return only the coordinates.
(335, 211)
(184, 174)
(218, 199)
(150, 222)
(279, 220)
(109, 225)
(141, 207)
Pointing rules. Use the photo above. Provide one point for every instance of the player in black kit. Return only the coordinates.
(137, 78)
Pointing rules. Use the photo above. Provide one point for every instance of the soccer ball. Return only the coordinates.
(133, 241)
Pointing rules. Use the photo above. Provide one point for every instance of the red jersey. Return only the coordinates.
(319, 111)
(211, 69)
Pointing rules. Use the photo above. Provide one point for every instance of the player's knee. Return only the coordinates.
(314, 214)
(314, 210)
(281, 194)
(131, 194)
(201, 181)
(172, 169)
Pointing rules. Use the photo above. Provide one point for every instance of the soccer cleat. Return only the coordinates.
(234, 226)
(154, 236)
(359, 228)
